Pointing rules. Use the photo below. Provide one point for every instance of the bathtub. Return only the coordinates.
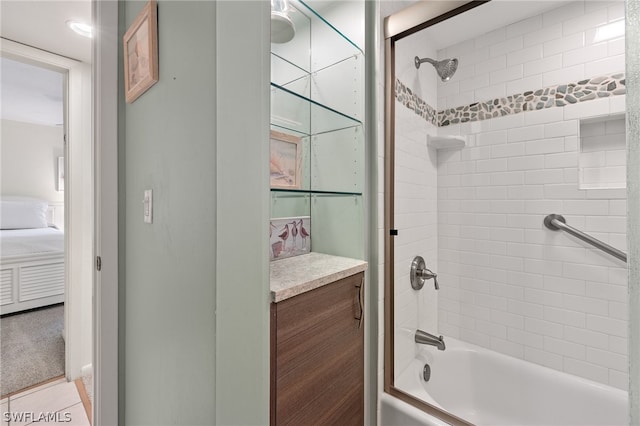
(488, 388)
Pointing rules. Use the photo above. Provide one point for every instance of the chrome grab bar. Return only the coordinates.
(557, 222)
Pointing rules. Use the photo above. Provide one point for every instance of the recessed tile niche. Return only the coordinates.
(602, 159)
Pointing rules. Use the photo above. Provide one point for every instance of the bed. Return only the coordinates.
(31, 256)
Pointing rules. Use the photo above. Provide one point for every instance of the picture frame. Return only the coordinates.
(141, 52)
(60, 182)
(285, 161)
(289, 236)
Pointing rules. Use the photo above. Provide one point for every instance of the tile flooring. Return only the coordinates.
(58, 403)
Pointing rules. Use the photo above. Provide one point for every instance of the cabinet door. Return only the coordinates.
(319, 358)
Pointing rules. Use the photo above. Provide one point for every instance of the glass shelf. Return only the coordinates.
(292, 111)
(334, 30)
(317, 97)
(287, 74)
(313, 192)
(317, 43)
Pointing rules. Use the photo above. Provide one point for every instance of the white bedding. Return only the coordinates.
(21, 242)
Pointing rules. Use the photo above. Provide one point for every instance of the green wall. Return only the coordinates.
(242, 275)
(168, 144)
(194, 286)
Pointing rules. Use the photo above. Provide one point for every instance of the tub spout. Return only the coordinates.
(425, 338)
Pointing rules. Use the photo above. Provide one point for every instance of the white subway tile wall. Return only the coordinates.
(579, 40)
(508, 283)
(543, 296)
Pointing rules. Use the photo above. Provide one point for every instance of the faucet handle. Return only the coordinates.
(428, 274)
(420, 273)
(435, 281)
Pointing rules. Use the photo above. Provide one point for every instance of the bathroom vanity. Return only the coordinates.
(317, 340)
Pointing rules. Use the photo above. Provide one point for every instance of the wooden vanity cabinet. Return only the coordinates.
(317, 356)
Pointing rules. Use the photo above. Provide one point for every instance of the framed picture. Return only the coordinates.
(290, 236)
(141, 53)
(285, 161)
(60, 173)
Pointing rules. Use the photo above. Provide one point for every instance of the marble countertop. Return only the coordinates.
(299, 274)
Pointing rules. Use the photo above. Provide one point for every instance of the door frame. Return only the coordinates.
(105, 159)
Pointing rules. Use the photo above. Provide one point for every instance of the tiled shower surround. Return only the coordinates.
(506, 282)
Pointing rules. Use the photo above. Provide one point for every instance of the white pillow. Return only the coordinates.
(23, 213)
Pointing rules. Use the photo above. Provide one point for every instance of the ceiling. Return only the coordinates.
(42, 24)
(485, 18)
(29, 93)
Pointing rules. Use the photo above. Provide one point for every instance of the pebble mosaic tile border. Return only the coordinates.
(412, 101)
(549, 97)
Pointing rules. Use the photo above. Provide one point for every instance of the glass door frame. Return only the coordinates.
(396, 27)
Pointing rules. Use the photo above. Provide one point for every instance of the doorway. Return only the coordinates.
(32, 239)
(73, 177)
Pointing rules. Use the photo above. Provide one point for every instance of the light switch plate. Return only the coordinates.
(148, 206)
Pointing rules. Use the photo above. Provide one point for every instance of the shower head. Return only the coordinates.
(445, 68)
(282, 28)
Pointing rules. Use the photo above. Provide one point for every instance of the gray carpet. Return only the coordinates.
(32, 348)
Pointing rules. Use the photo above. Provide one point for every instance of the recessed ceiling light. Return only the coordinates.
(83, 29)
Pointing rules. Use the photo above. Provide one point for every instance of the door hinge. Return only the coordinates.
(98, 263)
